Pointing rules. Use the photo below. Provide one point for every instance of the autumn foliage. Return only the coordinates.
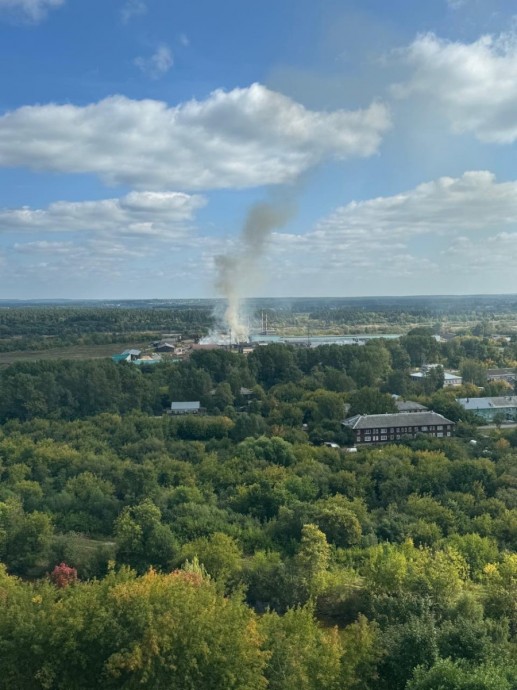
(63, 575)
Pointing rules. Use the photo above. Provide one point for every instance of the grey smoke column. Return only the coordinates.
(238, 272)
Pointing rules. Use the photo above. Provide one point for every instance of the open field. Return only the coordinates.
(71, 352)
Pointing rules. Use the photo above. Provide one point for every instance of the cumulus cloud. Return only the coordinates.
(242, 138)
(138, 214)
(474, 201)
(473, 84)
(158, 64)
(469, 224)
(34, 10)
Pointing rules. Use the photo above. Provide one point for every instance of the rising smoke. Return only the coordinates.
(240, 271)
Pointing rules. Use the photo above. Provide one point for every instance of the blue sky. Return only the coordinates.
(135, 136)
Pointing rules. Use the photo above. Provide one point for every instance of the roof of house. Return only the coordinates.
(499, 402)
(409, 406)
(120, 358)
(501, 372)
(180, 406)
(245, 391)
(132, 353)
(398, 419)
(447, 376)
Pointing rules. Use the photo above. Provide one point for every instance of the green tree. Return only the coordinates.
(311, 563)
(142, 539)
(219, 554)
(154, 631)
(407, 646)
(371, 401)
(303, 655)
(338, 522)
(473, 371)
(451, 675)
(25, 538)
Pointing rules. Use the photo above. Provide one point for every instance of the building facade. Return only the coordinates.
(508, 375)
(449, 379)
(383, 428)
(501, 408)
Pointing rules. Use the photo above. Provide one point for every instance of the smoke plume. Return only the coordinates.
(239, 272)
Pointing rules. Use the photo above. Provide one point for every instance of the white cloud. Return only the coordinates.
(34, 10)
(474, 201)
(158, 64)
(368, 247)
(474, 84)
(241, 138)
(139, 214)
(133, 8)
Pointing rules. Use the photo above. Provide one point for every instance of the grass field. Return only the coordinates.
(71, 352)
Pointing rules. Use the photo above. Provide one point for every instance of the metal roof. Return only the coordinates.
(398, 419)
(179, 406)
(132, 353)
(120, 358)
(447, 376)
(501, 372)
(488, 403)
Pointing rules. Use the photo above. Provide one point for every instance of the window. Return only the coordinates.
(448, 433)
(439, 434)
(440, 427)
(384, 438)
(384, 431)
(375, 438)
(367, 438)
(424, 428)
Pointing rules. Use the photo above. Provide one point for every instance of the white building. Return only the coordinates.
(449, 379)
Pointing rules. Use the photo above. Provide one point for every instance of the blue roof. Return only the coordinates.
(120, 358)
